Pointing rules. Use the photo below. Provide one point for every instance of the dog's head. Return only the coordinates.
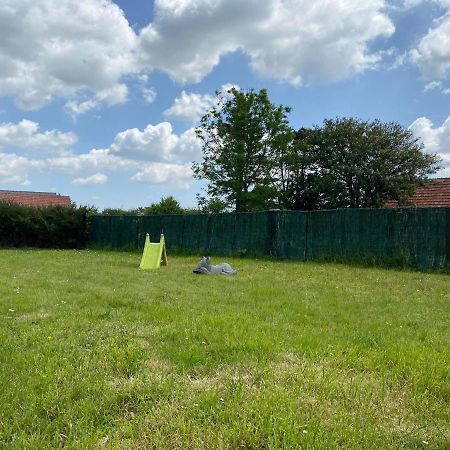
(203, 265)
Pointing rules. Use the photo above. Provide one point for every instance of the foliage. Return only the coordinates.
(252, 160)
(122, 212)
(95, 353)
(297, 177)
(167, 205)
(213, 205)
(351, 163)
(362, 164)
(51, 227)
(241, 138)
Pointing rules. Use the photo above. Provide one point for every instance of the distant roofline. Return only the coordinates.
(53, 194)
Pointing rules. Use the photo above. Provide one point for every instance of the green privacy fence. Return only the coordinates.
(418, 237)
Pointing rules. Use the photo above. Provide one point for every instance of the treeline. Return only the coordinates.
(167, 205)
(51, 227)
(254, 160)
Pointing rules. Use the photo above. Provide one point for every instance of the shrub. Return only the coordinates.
(51, 227)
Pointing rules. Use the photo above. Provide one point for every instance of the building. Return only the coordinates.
(434, 194)
(36, 199)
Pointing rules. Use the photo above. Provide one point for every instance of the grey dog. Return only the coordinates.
(205, 267)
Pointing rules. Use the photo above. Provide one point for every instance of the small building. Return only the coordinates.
(36, 199)
(434, 194)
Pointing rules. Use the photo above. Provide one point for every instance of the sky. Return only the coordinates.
(99, 100)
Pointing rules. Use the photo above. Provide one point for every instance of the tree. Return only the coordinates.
(241, 137)
(297, 179)
(212, 205)
(351, 163)
(363, 164)
(167, 205)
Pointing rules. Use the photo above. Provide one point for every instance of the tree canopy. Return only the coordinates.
(167, 205)
(254, 160)
(241, 137)
(352, 163)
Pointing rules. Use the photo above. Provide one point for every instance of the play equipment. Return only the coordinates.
(154, 254)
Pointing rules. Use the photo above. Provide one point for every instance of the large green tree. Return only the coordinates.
(241, 138)
(352, 163)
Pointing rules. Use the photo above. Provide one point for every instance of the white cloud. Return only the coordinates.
(149, 94)
(432, 54)
(97, 178)
(61, 48)
(75, 108)
(154, 155)
(432, 86)
(190, 106)
(83, 50)
(156, 143)
(297, 41)
(435, 139)
(25, 135)
(159, 173)
(116, 95)
(14, 169)
(94, 160)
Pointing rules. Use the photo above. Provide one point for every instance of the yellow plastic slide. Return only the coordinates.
(154, 254)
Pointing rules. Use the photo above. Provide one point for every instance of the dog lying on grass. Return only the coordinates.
(205, 267)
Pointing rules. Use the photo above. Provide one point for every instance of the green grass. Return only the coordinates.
(95, 353)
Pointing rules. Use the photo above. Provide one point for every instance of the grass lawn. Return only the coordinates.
(97, 354)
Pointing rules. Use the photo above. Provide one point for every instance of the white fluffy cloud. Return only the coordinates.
(25, 135)
(154, 155)
(177, 175)
(149, 94)
(75, 108)
(190, 106)
(432, 55)
(435, 138)
(97, 178)
(82, 50)
(14, 169)
(60, 48)
(157, 143)
(297, 41)
(87, 163)
(116, 95)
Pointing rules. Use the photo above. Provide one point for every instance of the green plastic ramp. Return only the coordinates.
(154, 254)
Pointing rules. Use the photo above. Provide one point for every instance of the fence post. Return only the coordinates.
(274, 231)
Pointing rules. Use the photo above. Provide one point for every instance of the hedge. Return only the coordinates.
(51, 227)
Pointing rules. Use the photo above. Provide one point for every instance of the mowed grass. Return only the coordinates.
(95, 353)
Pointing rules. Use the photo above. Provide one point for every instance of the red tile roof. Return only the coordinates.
(37, 199)
(436, 193)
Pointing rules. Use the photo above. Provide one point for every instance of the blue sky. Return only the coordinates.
(99, 99)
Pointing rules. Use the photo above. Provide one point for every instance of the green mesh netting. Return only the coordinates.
(420, 237)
